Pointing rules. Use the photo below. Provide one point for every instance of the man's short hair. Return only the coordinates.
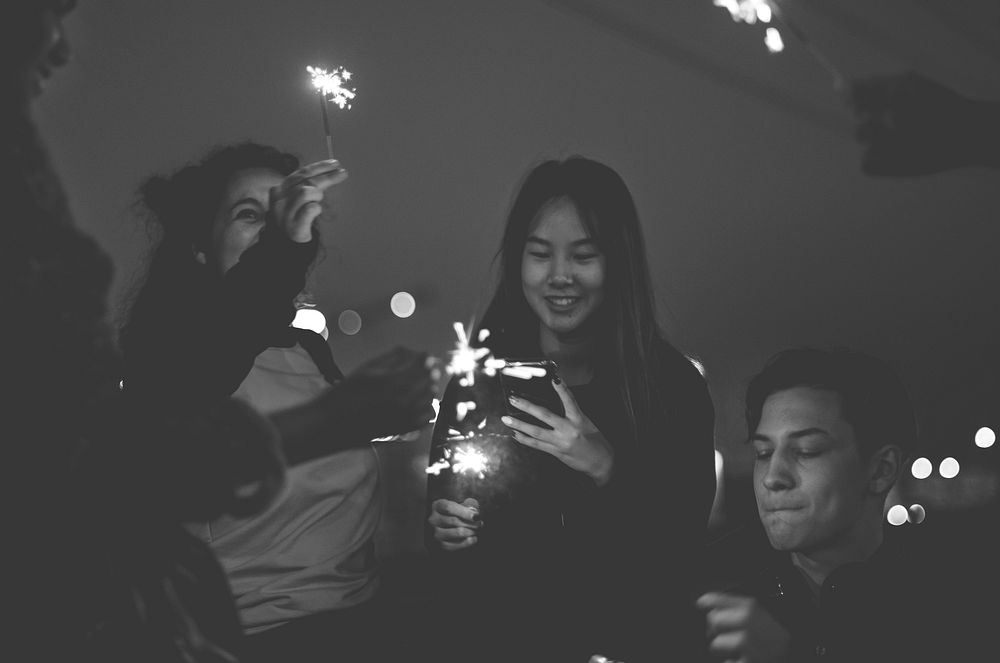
(873, 399)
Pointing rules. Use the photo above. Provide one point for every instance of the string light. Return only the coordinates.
(985, 437)
(922, 468)
(403, 304)
(897, 515)
(349, 322)
(949, 468)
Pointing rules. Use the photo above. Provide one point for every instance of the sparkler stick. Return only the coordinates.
(332, 86)
(782, 18)
(326, 127)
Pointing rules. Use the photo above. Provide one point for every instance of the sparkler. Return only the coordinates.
(751, 11)
(465, 459)
(466, 360)
(332, 86)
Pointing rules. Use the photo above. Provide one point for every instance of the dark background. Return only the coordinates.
(761, 229)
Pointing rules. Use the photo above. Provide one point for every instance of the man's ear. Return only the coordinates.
(883, 469)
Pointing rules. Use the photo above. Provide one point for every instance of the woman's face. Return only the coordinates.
(240, 217)
(562, 270)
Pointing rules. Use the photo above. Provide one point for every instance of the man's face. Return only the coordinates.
(809, 479)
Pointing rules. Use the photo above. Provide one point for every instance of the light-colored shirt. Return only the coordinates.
(313, 549)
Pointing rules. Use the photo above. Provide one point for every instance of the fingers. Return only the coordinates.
(468, 543)
(722, 620)
(295, 210)
(321, 174)
(537, 411)
(446, 534)
(711, 600)
(526, 429)
(455, 525)
(303, 209)
(733, 642)
(466, 512)
(568, 400)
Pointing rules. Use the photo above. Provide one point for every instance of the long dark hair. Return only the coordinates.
(180, 209)
(630, 345)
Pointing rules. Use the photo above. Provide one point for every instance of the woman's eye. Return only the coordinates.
(585, 257)
(762, 454)
(541, 255)
(247, 213)
(809, 454)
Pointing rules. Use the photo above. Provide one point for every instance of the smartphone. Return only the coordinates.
(531, 380)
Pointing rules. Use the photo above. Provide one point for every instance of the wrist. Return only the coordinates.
(603, 472)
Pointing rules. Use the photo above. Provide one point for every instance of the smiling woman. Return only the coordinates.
(580, 492)
(212, 319)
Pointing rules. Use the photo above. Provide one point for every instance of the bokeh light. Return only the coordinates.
(311, 319)
(985, 437)
(949, 468)
(897, 515)
(403, 304)
(349, 322)
(922, 468)
(916, 514)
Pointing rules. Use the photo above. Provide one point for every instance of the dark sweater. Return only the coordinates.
(576, 568)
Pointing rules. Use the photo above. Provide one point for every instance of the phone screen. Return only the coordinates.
(532, 381)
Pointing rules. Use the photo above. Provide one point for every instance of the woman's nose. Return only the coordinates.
(560, 273)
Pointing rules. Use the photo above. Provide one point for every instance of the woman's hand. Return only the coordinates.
(297, 201)
(455, 525)
(911, 125)
(574, 439)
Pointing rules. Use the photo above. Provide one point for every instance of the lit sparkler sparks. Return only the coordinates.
(332, 86)
(516, 370)
(752, 11)
(471, 461)
(465, 460)
(466, 360)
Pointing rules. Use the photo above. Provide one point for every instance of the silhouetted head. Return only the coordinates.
(35, 44)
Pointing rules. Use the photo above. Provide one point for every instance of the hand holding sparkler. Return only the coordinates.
(297, 201)
(455, 525)
(393, 392)
(911, 125)
(574, 439)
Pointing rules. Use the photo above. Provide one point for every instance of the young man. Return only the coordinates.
(830, 430)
